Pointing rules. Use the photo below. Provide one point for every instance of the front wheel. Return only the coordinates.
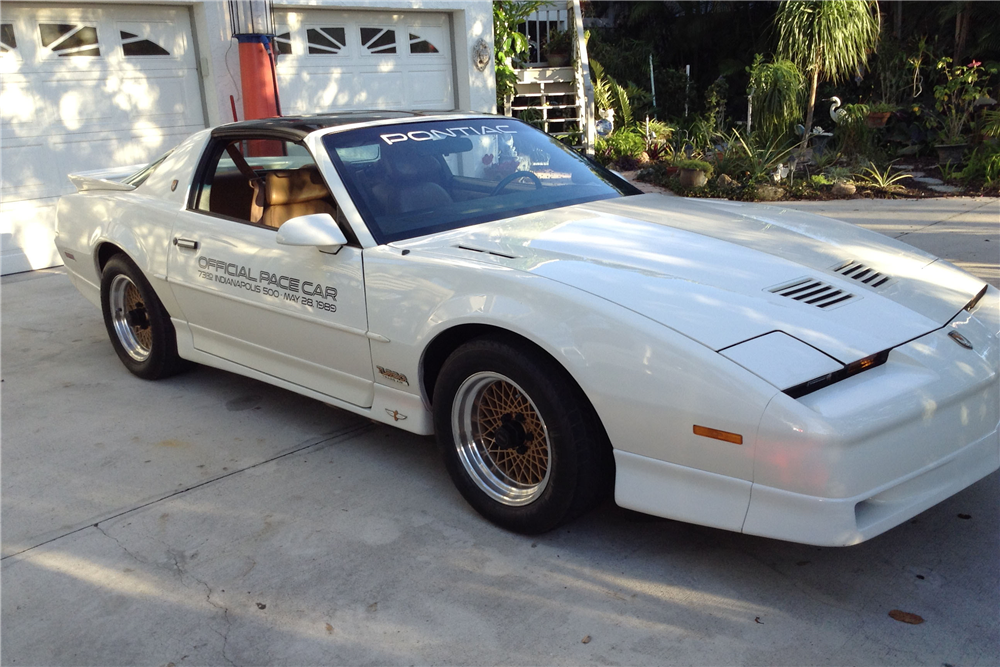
(520, 440)
(137, 323)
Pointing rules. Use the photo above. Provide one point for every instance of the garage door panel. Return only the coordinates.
(19, 106)
(34, 172)
(64, 112)
(26, 238)
(427, 90)
(364, 60)
(379, 89)
(315, 89)
(169, 102)
(77, 108)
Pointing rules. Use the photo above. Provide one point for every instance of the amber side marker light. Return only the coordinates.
(734, 438)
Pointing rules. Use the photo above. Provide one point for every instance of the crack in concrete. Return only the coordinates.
(320, 443)
(120, 545)
(225, 616)
(179, 570)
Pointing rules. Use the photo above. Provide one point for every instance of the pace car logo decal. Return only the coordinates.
(393, 375)
(431, 135)
(305, 292)
(395, 414)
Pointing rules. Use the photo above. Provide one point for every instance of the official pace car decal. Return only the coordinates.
(287, 288)
(431, 135)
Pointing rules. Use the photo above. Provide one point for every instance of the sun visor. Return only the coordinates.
(781, 360)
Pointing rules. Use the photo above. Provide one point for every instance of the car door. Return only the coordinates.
(293, 312)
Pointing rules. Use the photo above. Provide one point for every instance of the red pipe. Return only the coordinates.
(260, 92)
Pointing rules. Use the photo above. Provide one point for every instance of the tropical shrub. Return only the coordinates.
(983, 165)
(509, 45)
(696, 164)
(622, 143)
(776, 91)
(956, 96)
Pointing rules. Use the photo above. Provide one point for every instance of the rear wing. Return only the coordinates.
(105, 179)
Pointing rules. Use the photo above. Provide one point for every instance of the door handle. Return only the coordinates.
(187, 244)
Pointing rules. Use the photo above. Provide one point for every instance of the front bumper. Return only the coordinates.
(856, 458)
(797, 517)
(859, 457)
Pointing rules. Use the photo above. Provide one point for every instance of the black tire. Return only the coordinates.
(137, 323)
(519, 439)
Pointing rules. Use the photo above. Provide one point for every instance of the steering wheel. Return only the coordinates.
(510, 178)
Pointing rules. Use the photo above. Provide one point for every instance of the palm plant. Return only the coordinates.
(826, 38)
(776, 91)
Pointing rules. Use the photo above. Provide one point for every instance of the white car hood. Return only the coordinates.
(705, 268)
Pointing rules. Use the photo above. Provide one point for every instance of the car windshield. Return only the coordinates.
(414, 179)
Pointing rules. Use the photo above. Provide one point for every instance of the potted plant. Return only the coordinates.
(878, 114)
(558, 47)
(955, 100)
(694, 173)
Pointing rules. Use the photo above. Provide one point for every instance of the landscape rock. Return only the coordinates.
(843, 189)
(949, 189)
(770, 193)
(725, 182)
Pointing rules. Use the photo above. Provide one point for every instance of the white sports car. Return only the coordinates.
(737, 366)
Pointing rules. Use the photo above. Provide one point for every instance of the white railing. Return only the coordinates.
(537, 28)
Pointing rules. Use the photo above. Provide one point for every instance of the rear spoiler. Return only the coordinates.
(105, 179)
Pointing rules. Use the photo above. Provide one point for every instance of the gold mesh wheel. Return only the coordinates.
(501, 438)
(129, 317)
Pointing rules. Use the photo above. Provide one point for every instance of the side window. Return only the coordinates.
(262, 182)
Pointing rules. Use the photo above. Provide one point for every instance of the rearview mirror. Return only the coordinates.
(316, 229)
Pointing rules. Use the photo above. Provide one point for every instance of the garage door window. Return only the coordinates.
(326, 41)
(134, 45)
(420, 45)
(283, 43)
(378, 41)
(8, 44)
(69, 39)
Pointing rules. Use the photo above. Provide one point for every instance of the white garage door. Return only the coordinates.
(331, 60)
(84, 88)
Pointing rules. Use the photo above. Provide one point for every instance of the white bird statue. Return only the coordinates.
(836, 113)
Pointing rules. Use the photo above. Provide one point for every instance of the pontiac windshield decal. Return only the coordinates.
(431, 135)
(296, 290)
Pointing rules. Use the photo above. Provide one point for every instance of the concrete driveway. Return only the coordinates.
(213, 520)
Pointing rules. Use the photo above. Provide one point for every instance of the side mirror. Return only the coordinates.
(317, 229)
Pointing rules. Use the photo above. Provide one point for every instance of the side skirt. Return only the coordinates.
(389, 406)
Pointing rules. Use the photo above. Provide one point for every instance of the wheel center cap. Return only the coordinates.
(137, 319)
(511, 435)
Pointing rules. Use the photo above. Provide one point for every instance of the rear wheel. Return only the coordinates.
(518, 437)
(137, 323)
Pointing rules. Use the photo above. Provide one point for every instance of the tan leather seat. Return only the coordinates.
(290, 193)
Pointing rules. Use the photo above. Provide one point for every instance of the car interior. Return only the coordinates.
(264, 182)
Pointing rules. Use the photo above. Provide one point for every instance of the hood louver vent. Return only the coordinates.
(814, 293)
(863, 274)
